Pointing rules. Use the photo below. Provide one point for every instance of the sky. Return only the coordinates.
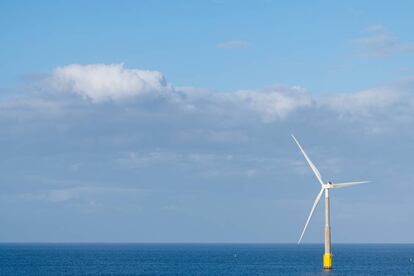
(170, 121)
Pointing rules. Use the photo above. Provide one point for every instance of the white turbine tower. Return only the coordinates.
(325, 187)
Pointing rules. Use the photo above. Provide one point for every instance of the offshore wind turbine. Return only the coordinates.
(325, 187)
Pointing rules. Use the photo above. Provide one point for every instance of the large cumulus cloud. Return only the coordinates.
(101, 82)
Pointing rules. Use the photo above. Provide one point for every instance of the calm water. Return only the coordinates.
(202, 259)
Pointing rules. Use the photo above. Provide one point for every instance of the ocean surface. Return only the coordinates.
(203, 259)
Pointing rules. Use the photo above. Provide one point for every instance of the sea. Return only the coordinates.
(203, 259)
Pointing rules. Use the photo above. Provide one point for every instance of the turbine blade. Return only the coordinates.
(315, 203)
(313, 167)
(347, 184)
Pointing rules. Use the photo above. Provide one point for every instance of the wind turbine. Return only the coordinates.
(325, 187)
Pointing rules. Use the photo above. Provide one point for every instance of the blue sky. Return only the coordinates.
(295, 43)
(170, 121)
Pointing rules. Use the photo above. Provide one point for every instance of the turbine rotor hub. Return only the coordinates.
(328, 185)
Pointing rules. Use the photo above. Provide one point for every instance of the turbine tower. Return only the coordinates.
(325, 187)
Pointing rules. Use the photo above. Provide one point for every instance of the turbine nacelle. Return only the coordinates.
(328, 185)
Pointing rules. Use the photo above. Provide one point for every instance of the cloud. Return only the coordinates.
(374, 28)
(75, 193)
(374, 111)
(125, 86)
(275, 104)
(269, 104)
(190, 147)
(378, 42)
(234, 44)
(364, 102)
(101, 82)
(378, 45)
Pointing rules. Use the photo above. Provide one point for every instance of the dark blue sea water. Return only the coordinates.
(203, 259)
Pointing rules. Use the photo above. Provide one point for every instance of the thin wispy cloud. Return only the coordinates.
(378, 42)
(234, 44)
(76, 193)
(365, 102)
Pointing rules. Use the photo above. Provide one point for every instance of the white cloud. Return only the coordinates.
(131, 144)
(378, 45)
(374, 28)
(276, 103)
(76, 193)
(364, 102)
(101, 82)
(378, 42)
(234, 44)
(269, 104)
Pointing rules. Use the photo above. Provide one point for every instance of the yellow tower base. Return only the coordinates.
(327, 261)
